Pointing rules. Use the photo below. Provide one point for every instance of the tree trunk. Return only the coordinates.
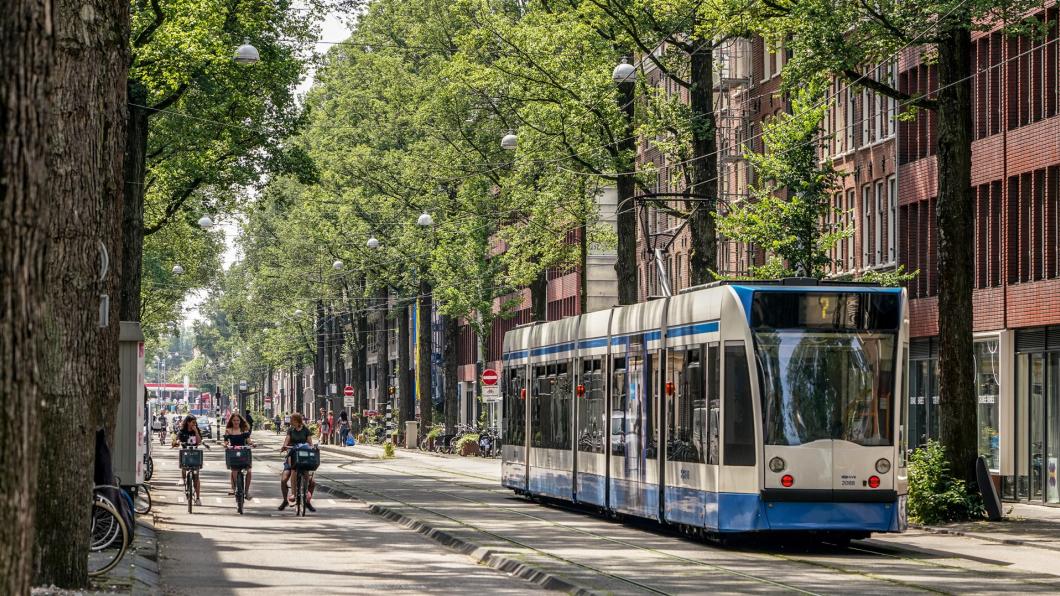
(956, 224)
(85, 166)
(539, 297)
(319, 368)
(406, 398)
(451, 333)
(424, 387)
(626, 218)
(135, 165)
(296, 382)
(27, 55)
(703, 260)
(382, 340)
(360, 360)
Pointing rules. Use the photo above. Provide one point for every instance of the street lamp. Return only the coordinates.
(509, 141)
(338, 265)
(373, 243)
(425, 220)
(246, 53)
(205, 222)
(178, 270)
(624, 72)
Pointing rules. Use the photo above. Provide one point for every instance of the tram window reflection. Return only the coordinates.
(826, 386)
(618, 406)
(591, 408)
(713, 403)
(515, 406)
(739, 411)
(687, 413)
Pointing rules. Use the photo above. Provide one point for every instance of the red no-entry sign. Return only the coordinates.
(489, 377)
(348, 391)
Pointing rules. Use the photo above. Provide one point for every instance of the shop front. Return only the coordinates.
(1036, 415)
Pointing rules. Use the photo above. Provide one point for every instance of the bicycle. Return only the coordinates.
(190, 464)
(149, 467)
(109, 534)
(304, 460)
(239, 458)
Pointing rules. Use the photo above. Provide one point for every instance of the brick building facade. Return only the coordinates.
(887, 195)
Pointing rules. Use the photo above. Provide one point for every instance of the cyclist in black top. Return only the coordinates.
(298, 434)
(237, 434)
(189, 435)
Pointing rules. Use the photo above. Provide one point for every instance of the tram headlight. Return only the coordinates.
(883, 465)
(777, 465)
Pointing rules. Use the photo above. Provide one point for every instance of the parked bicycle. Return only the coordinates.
(239, 460)
(110, 534)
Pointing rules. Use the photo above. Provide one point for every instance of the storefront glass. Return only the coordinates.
(923, 402)
(988, 381)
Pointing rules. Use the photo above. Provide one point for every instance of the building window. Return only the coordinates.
(892, 216)
(866, 221)
(850, 219)
(878, 216)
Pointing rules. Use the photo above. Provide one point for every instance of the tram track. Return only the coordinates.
(758, 556)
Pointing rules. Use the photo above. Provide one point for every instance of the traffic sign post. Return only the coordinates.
(490, 377)
(347, 391)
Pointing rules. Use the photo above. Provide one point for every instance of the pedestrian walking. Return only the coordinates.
(249, 419)
(325, 428)
(344, 427)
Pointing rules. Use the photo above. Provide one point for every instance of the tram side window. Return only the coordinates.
(713, 403)
(687, 416)
(515, 406)
(591, 408)
(562, 407)
(541, 407)
(618, 406)
(739, 411)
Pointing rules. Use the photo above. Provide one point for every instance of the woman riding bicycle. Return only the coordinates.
(297, 436)
(189, 435)
(237, 434)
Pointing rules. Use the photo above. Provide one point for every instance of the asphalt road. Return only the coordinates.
(341, 549)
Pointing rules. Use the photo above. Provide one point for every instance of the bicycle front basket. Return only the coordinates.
(191, 458)
(305, 459)
(237, 459)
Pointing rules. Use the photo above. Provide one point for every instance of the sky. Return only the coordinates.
(333, 29)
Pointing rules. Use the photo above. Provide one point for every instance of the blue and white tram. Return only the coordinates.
(738, 407)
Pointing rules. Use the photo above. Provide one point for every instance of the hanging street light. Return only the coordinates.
(509, 142)
(425, 220)
(624, 72)
(338, 265)
(246, 53)
(178, 270)
(205, 222)
(373, 243)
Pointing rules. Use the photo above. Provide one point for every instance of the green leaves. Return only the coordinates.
(791, 212)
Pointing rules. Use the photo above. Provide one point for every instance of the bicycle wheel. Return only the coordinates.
(302, 489)
(142, 499)
(241, 478)
(106, 522)
(149, 468)
(189, 489)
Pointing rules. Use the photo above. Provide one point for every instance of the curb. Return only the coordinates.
(482, 555)
(979, 536)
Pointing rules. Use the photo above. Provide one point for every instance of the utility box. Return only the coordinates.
(411, 433)
(129, 434)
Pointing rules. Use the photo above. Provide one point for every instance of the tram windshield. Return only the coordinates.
(826, 365)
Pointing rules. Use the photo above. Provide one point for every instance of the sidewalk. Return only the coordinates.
(136, 574)
(1035, 526)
